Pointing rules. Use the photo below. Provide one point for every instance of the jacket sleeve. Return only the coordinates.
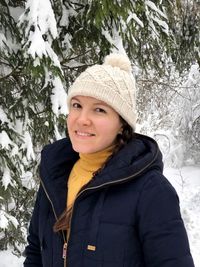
(33, 251)
(161, 228)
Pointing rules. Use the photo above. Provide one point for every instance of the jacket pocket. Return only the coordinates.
(114, 245)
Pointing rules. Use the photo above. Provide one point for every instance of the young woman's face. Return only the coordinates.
(92, 124)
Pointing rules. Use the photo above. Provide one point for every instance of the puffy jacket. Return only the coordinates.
(127, 216)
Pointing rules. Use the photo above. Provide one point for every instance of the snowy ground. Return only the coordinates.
(7, 259)
(187, 183)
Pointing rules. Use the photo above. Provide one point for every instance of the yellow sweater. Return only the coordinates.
(83, 170)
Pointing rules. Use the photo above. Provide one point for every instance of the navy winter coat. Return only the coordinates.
(127, 216)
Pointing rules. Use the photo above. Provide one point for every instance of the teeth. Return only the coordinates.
(83, 134)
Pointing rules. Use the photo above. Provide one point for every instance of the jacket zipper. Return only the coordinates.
(66, 240)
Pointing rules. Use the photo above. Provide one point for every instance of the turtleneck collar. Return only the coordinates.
(93, 161)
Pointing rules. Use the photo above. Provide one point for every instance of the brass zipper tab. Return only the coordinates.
(91, 247)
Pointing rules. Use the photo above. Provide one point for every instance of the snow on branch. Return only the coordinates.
(2, 41)
(39, 13)
(154, 8)
(28, 146)
(5, 140)
(6, 178)
(3, 116)
(39, 23)
(156, 16)
(135, 17)
(5, 219)
(59, 97)
(163, 24)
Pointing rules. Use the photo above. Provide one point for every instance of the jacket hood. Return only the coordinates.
(134, 159)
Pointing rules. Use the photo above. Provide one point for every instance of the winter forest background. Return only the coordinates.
(45, 44)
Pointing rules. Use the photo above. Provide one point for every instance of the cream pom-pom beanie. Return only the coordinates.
(111, 82)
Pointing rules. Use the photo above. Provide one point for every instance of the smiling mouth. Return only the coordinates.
(84, 134)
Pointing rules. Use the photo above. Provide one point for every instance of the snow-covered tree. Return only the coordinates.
(170, 111)
(32, 101)
(17, 156)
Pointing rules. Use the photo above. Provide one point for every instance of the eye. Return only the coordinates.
(75, 105)
(100, 110)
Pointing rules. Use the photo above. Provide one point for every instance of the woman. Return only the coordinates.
(103, 200)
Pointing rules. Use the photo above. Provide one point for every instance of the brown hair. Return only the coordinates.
(63, 222)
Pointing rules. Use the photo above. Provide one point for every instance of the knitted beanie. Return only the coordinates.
(111, 83)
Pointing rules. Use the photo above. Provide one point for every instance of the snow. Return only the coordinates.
(8, 259)
(163, 24)
(57, 133)
(5, 219)
(3, 116)
(153, 13)
(6, 178)
(116, 41)
(59, 97)
(39, 47)
(41, 14)
(2, 40)
(66, 14)
(15, 12)
(28, 146)
(37, 43)
(154, 8)
(135, 17)
(41, 23)
(186, 181)
(27, 180)
(4, 140)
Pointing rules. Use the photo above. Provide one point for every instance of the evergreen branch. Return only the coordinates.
(8, 75)
(7, 64)
(83, 66)
(75, 57)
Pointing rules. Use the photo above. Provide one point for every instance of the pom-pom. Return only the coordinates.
(118, 60)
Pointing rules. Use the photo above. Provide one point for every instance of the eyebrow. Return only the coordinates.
(95, 103)
(74, 98)
(101, 103)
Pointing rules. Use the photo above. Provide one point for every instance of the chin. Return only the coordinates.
(83, 150)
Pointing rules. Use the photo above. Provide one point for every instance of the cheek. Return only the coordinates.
(115, 131)
(109, 130)
(115, 126)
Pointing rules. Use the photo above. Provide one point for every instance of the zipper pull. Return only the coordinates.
(64, 250)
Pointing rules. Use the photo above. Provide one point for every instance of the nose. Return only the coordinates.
(84, 118)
